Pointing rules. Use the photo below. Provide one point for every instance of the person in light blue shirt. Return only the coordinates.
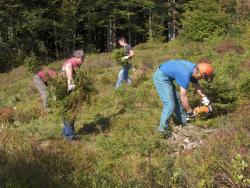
(183, 72)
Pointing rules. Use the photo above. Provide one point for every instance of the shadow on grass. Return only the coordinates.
(35, 169)
(99, 125)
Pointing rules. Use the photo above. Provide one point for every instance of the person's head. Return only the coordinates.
(122, 41)
(79, 54)
(204, 70)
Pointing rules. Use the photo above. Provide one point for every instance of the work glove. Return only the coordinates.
(205, 101)
(125, 58)
(71, 85)
(190, 115)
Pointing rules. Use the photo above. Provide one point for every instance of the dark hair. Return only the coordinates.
(122, 39)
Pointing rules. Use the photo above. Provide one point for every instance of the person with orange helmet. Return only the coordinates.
(182, 72)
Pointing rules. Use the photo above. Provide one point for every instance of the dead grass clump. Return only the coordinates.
(28, 114)
(246, 64)
(223, 180)
(229, 46)
(6, 115)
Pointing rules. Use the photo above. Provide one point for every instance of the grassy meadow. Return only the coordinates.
(119, 145)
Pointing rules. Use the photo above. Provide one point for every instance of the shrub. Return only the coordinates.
(31, 63)
(244, 87)
(222, 94)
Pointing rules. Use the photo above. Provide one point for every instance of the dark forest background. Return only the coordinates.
(52, 29)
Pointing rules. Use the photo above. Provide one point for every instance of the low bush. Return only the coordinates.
(222, 94)
(32, 64)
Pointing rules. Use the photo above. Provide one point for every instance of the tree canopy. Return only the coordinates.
(52, 29)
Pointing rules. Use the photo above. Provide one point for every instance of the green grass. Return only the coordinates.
(119, 145)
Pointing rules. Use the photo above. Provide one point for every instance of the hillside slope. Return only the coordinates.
(119, 145)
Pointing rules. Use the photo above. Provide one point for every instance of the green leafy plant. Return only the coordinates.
(203, 20)
(222, 94)
(117, 55)
(245, 86)
(31, 64)
(70, 103)
(239, 167)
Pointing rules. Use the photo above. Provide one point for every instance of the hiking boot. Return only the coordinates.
(166, 134)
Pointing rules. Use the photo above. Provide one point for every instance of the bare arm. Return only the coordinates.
(199, 89)
(69, 71)
(184, 100)
(131, 53)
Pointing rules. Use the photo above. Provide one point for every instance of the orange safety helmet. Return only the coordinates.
(206, 71)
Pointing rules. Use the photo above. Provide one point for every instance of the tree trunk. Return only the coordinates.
(150, 32)
(172, 21)
(109, 36)
(129, 26)
(113, 40)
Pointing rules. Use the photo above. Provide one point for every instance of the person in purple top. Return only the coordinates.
(183, 73)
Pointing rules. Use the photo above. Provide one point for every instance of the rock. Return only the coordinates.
(208, 131)
(192, 145)
(44, 145)
(17, 123)
(186, 140)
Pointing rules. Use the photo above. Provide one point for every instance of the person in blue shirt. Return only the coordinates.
(182, 72)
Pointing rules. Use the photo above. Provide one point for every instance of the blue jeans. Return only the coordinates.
(123, 75)
(68, 130)
(170, 99)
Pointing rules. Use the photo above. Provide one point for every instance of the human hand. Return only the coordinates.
(71, 85)
(205, 101)
(125, 58)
